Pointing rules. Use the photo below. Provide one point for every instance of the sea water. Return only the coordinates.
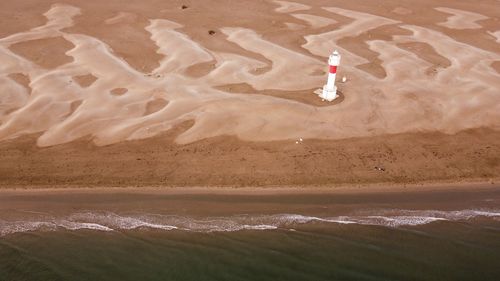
(445, 235)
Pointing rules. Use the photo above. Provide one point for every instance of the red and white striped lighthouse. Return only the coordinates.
(329, 92)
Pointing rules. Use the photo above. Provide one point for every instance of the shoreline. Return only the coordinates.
(388, 187)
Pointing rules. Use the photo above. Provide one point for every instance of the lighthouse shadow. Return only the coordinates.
(303, 96)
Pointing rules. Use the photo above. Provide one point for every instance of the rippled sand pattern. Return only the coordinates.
(124, 103)
(461, 19)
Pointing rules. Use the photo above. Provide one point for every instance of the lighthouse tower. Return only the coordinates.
(329, 92)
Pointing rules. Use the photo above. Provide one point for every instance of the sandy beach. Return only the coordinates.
(219, 93)
(408, 159)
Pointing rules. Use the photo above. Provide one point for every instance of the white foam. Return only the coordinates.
(83, 225)
(108, 221)
(7, 228)
(259, 227)
(30, 226)
(292, 218)
(397, 220)
(120, 222)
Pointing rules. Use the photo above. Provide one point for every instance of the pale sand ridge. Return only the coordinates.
(289, 7)
(461, 19)
(322, 44)
(290, 70)
(294, 26)
(496, 34)
(315, 21)
(122, 17)
(413, 96)
(58, 17)
(180, 52)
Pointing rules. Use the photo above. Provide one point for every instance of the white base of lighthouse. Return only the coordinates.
(329, 94)
(326, 94)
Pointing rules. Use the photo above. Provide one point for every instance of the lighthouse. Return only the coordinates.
(329, 91)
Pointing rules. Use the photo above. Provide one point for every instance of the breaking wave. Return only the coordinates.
(108, 221)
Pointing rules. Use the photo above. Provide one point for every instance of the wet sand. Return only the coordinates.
(117, 208)
(145, 95)
(172, 208)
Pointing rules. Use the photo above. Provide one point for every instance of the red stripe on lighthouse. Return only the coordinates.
(333, 69)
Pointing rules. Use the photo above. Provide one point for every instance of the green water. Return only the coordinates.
(437, 251)
(163, 235)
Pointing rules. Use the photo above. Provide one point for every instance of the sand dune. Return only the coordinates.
(322, 44)
(289, 7)
(180, 52)
(496, 34)
(124, 103)
(294, 26)
(461, 19)
(315, 21)
(58, 17)
(122, 17)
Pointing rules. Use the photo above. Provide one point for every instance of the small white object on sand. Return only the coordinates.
(344, 79)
